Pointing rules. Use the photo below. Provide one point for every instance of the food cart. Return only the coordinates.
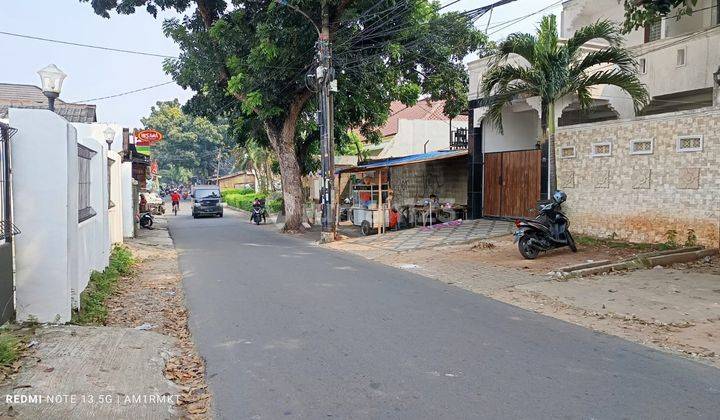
(369, 197)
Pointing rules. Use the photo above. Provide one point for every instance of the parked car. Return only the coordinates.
(206, 201)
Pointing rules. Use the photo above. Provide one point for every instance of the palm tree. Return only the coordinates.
(556, 69)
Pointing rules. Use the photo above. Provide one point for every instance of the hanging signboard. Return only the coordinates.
(148, 137)
(144, 139)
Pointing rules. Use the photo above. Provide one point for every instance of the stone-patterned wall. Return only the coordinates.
(640, 197)
(447, 179)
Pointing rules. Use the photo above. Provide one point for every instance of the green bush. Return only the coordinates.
(233, 191)
(275, 206)
(9, 348)
(244, 200)
(92, 300)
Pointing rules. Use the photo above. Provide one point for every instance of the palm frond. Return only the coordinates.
(500, 76)
(520, 44)
(547, 36)
(612, 56)
(602, 29)
(626, 81)
(501, 98)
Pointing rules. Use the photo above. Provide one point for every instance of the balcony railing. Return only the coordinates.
(459, 139)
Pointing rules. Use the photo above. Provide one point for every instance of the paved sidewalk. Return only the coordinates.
(94, 372)
(437, 235)
(142, 365)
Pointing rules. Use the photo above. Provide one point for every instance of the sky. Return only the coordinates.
(96, 73)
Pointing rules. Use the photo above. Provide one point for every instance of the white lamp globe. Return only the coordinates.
(51, 79)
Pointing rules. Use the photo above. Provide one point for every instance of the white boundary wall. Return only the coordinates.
(54, 254)
(128, 217)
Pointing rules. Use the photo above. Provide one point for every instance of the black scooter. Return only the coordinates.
(146, 220)
(547, 231)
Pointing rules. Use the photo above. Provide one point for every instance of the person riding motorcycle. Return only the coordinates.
(259, 203)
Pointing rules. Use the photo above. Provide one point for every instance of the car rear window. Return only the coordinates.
(208, 193)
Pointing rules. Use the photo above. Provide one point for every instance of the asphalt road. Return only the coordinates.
(290, 330)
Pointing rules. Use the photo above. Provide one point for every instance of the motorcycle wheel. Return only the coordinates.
(526, 250)
(571, 241)
(365, 227)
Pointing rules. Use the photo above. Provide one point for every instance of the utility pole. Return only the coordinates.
(324, 80)
(217, 170)
(326, 83)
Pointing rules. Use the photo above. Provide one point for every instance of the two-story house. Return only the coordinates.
(676, 57)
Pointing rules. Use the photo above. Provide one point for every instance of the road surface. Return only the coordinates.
(291, 330)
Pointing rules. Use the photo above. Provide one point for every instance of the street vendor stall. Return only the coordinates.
(403, 192)
(369, 199)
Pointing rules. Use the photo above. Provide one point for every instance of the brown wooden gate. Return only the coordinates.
(511, 183)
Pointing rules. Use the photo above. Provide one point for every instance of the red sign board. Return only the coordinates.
(148, 137)
(154, 167)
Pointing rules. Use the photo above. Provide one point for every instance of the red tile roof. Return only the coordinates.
(422, 110)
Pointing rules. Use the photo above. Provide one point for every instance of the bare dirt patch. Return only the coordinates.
(153, 300)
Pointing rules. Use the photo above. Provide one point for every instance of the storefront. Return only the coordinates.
(404, 192)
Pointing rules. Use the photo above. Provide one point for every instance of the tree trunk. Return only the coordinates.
(292, 184)
(282, 140)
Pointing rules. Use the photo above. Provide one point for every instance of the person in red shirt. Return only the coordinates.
(175, 197)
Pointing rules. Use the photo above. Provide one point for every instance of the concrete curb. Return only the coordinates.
(646, 260)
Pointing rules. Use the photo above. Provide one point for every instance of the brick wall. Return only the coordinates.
(640, 197)
(447, 179)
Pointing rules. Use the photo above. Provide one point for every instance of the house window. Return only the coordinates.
(85, 156)
(690, 144)
(642, 66)
(567, 152)
(681, 53)
(653, 31)
(109, 183)
(601, 149)
(641, 147)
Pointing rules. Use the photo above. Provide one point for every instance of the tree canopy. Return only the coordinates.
(190, 145)
(249, 61)
(641, 13)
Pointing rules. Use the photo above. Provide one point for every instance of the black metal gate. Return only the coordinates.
(7, 229)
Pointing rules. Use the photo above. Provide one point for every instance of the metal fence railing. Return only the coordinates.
(7, 229)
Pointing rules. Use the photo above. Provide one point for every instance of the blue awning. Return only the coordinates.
(405, 160)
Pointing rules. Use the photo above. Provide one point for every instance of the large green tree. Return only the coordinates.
(554, 70)
(191, 145)
(249, 60)
(639, 13)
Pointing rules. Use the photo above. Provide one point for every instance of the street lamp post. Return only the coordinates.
(109, 136)
(51, 80)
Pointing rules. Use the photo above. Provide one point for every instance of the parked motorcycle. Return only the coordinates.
(146, 220)
(547, 231)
